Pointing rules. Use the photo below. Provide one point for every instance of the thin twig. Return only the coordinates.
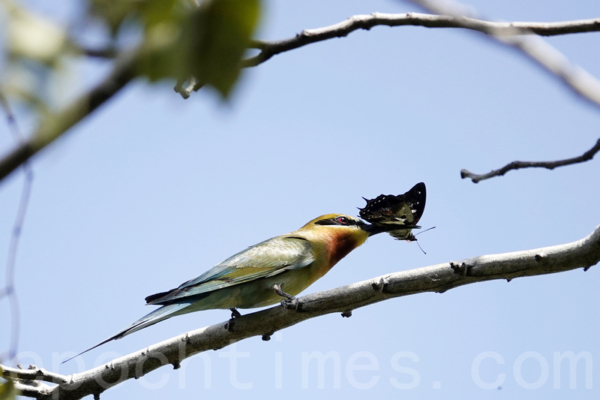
(55, 125)
(542, 54)
(588, 155)
(36, 392)
(33, 374)
(537, 50)
(108, 52)
(439, 278)
(309, 36)
(9, 289)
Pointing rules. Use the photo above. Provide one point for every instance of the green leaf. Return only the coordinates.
(208, 43)
(113, 12)
(159, 11)
(149, 12)
(220, 35)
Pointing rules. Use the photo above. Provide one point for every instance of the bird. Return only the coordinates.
(272, 271)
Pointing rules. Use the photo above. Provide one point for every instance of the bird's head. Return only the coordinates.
(337, 223)
(345, 224)
(333, 236)
(338, 234)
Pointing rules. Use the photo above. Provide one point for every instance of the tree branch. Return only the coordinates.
(439, 278)
(309, 36)
(9, 288)
(33, 374)
(55, 125)
(107, 52)
(588, 155)
(540, 52)
(40, 391)
(551, 60)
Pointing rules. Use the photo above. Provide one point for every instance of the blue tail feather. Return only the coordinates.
(152, 318)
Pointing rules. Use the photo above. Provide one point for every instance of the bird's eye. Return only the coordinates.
(342, 220)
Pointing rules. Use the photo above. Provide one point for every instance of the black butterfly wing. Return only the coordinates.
(402, 210)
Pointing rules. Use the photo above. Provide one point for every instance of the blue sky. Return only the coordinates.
(152, 190)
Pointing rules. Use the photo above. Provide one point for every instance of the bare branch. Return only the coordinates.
(35, 391)
(9, 288)
(33, 374)
(588, 155)
(540, 52)
(55, 125)
(309, 36)
(108, 52)
(439, 278)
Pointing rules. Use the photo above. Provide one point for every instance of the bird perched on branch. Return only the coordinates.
(266, 273)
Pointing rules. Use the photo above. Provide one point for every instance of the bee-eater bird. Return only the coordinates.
(263, 274)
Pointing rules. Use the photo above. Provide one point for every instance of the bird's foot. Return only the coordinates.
(229, 325)
(289, 302)
(280, 292)
(234, 314)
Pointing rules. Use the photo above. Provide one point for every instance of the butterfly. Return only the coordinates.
(403, 210)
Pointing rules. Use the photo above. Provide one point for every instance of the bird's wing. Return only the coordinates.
(263, 260)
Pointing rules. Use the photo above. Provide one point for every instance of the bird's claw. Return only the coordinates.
(289, 302)
(229, 325)
(234, 314)
(280, 292)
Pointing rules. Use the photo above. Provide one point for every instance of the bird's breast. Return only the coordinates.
(341, 247)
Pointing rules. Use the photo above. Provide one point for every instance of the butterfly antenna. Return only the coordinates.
(420, 247)
(428, 229)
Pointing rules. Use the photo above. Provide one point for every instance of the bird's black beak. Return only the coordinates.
(373, 229)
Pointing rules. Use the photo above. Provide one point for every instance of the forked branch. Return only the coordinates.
(308, 36)
(55, 125)
(579, 80)
(476, 178)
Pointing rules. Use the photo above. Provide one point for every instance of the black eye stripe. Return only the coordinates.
(345, 221)
(339, 220)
